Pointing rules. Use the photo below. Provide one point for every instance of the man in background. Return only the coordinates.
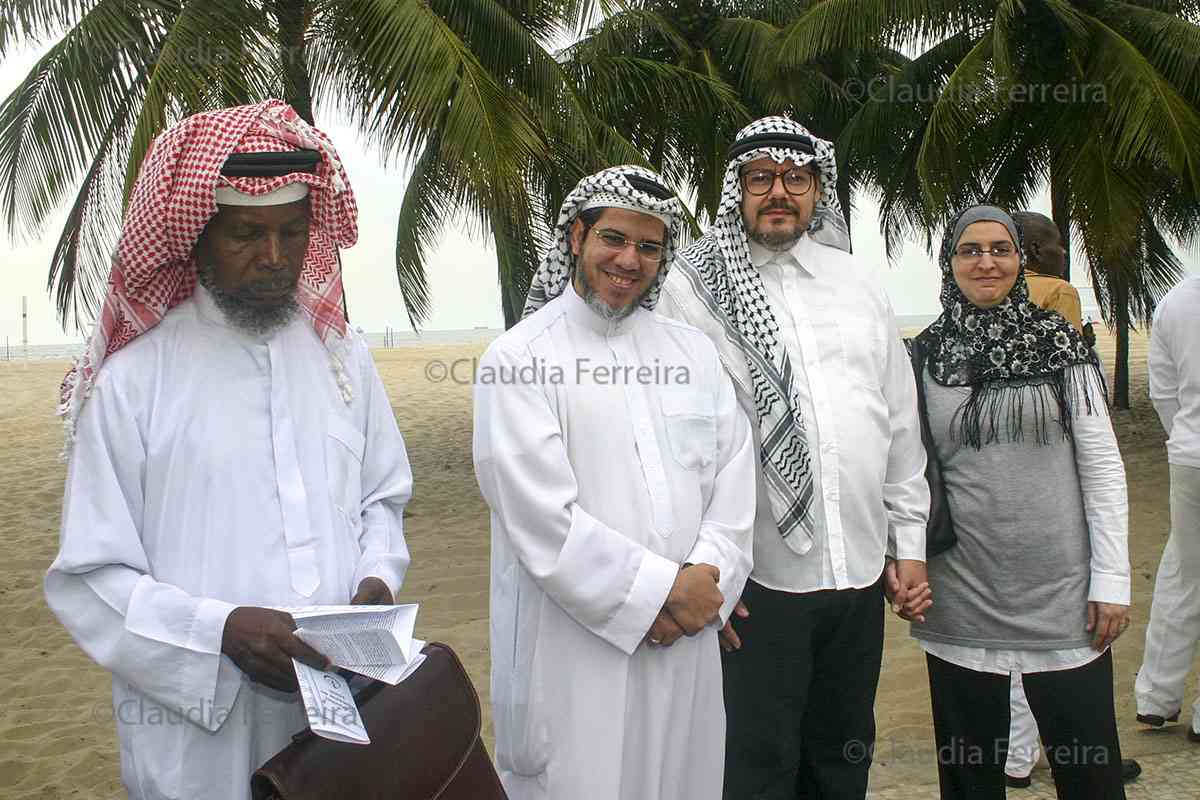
(1174, 629)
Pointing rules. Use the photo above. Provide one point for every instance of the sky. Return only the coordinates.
(461, 270)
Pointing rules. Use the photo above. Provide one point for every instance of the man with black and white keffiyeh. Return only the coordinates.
(814, 352)
(619, 471)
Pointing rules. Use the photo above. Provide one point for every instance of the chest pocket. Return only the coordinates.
(863, 349)
(344, 449)
(691, 428)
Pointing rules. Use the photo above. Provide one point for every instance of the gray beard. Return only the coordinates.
(247, 317)
(602, 308)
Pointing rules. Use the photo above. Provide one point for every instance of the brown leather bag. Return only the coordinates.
(425, 744)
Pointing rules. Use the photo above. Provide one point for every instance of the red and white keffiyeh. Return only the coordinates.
(173, 199)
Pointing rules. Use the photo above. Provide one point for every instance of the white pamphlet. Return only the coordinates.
(374, 641)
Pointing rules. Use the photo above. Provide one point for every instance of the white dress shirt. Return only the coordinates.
(859, 402)
(1174, 369)
(212, 469)
(602, 481)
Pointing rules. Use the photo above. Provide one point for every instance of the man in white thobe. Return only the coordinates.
(1174, 630)
(232, 451)
(620, 476)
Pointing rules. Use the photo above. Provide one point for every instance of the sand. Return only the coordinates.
(55, 721)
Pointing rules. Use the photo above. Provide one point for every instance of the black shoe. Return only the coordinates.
(1018, 783)
(1193, 736)
(1130, 770)
(1155, 721)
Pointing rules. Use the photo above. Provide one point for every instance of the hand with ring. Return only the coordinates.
(664, 631)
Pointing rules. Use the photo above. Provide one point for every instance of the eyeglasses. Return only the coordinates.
(650, 252)
(973, 252)
(796, 180)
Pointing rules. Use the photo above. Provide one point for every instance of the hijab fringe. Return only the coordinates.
(995, 411)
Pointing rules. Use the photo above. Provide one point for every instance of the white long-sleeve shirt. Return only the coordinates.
(858, 397)
(602, 481)
(1173, 363)
(211, 470)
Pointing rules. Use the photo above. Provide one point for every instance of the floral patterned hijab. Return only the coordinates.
(999, 351)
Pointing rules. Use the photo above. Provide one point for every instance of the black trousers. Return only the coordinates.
(1074, 712)
(800, 694)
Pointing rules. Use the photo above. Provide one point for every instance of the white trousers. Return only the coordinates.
(1174, 626)
(1024, 743)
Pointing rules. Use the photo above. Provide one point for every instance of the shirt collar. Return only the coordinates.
(794, 257)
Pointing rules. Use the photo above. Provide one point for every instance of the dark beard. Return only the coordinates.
(247, 316)
(777, 242)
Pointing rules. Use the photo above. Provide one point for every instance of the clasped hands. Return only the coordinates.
(693, 603)
(906, 586)
(262, 642)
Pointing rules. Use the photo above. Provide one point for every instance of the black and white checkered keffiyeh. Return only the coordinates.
(626, 186)
(719, 271)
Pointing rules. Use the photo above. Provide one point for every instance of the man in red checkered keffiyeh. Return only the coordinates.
(175, 197)
(233, 452)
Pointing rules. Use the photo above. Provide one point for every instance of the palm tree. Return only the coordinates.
(730, 41)
(497, 128)
(1098, 98)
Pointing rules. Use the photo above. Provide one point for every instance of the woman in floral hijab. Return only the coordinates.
(1038, 582)
(992, 338)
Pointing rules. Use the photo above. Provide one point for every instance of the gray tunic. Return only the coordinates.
(1018, 577)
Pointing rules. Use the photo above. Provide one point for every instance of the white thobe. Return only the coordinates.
(1173, 364)
(210, 470)
(600, 489)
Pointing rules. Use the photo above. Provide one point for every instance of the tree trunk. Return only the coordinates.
(512, 313)
(293, 16)
(1120, 298)
(1060, 210)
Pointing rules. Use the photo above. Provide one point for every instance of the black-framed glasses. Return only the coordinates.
(650, 252)
(796, 181)
(973, 252)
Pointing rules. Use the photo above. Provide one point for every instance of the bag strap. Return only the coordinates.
(916, 353)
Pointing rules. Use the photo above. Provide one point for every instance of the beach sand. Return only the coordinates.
(55, 721)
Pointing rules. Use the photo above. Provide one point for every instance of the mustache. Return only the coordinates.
(779, 204)
(271, 285)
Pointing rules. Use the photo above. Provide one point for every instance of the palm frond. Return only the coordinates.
(836, 25)
(1148, 119)
(1171, 44)
(54, 121)
(26, 23)
(205, 45)
(392, 69)
(80, 265)
(430, 198)
(967, 102)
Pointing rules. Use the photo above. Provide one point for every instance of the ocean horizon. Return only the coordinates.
(395, 337)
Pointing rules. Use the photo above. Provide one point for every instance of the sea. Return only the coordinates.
(401, 337)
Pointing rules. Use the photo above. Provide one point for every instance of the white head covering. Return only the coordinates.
(719, 271)
(629, 187)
